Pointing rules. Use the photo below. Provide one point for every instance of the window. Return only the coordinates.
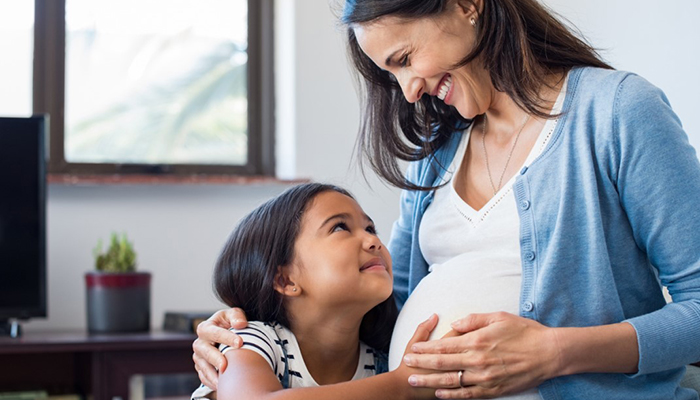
(156, 86)
(16, 42)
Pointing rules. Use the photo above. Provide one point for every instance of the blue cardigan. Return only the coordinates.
(608, 213)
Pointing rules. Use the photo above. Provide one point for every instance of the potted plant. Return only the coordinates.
(118, 297)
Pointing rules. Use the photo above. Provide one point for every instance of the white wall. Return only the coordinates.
(178, 230)
(658, 40)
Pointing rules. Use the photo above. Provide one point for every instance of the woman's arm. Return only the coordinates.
(607, 348)
(207, 357)
(399, 243)
(658, 182)
(250, 377)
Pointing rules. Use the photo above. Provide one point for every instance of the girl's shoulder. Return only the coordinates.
(264, 338)
(268, 332)
(268, 339)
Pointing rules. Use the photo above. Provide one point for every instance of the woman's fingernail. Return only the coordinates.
(439, 393)
(408, 360)
(412, 380)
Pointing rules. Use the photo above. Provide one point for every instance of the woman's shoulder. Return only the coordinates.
(593, 78)
(605, 85)
(615, 92)
(603, 95)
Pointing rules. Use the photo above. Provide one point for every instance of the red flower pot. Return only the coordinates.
(118, 302)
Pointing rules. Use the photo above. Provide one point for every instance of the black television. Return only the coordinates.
(22, 220)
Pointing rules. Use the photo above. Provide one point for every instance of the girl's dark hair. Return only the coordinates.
(244, 275)
(520, 43)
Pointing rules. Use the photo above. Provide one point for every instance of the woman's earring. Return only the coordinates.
(294, 289)
(473, 21)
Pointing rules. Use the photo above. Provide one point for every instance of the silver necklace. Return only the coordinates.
(486, 157)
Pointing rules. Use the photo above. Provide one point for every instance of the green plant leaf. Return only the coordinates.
(119, 257)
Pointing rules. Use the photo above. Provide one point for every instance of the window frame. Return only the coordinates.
(49, 98)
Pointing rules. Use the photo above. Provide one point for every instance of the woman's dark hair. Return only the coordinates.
(244, 275)
(520, 43)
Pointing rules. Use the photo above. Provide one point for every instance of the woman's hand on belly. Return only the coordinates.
(499, 353)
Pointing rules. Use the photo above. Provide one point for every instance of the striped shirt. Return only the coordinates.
(279, 347)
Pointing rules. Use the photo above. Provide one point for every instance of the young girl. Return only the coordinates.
(308, 269)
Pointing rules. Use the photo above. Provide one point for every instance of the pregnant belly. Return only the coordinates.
(453, 293)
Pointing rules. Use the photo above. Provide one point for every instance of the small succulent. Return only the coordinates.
(119, 257)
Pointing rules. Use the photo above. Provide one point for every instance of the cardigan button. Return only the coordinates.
(524, 204)
(530, 255)
(528, 306)
(523, 171)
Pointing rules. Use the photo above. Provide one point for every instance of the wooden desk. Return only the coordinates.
(97, 365)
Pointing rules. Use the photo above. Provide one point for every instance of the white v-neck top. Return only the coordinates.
(451, 228)
(474, 255)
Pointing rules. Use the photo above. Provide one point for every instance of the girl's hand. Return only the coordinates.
(207, 357)
(403, 372)
(499, 353)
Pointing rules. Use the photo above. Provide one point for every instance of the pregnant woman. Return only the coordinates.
(548, 199)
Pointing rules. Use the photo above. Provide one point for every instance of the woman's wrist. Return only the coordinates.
(597, 349)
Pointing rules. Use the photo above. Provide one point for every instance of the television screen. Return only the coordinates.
(22, 217)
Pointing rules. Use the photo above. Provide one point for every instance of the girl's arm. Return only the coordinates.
(249, 376)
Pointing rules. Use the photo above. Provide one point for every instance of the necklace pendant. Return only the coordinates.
(510, 154)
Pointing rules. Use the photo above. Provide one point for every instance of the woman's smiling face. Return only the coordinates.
(421, 54)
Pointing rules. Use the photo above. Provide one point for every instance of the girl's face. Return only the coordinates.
(421, 54)
(339, 260)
